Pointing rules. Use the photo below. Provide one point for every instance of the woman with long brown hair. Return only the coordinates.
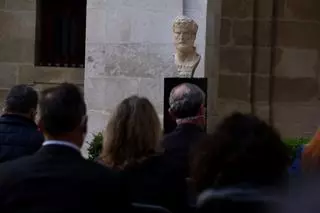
(130, 146)
(132, 133)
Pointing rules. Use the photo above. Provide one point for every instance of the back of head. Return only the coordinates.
(186, 100)
(243, 149)
(132, 133)
(21, 99)
(62, 110)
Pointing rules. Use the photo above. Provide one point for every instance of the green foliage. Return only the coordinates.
(95, 146)
(294, 143)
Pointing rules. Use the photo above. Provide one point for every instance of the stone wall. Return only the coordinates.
(279, 79)
(197, 10)
(129, 50)
(17, 36)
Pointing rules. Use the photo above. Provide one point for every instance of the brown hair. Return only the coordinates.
(311, 154)
(243, 149)
(133, 132)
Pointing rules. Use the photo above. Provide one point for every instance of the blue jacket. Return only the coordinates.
(295, 168)
(19, 136)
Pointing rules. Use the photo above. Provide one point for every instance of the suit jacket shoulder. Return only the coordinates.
(62, 181)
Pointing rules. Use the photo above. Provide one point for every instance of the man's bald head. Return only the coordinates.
(186, 100)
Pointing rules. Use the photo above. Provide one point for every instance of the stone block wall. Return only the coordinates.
(279, 78)
(296, 88)
(17, 38)
(129, 50)
(245, 52)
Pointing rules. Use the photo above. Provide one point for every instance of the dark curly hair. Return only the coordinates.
(243, 149)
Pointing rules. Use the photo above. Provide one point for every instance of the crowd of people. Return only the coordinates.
(242, 165)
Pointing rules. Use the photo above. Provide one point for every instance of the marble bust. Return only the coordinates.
(186, 58)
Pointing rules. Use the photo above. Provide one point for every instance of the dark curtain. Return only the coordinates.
(60, 37)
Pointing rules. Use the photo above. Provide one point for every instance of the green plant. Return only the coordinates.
(294, 143)
(95, 146)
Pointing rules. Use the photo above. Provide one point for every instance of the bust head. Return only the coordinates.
(185, 31)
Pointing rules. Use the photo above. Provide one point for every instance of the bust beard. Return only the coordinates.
(186, 62)
(184, 49)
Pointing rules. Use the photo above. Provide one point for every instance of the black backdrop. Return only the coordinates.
(169, 83)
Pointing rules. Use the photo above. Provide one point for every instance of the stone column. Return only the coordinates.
(244, 63)
(197, 10)
(212, 60)
(129, 49)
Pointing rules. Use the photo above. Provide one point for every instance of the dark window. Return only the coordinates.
(60, 33)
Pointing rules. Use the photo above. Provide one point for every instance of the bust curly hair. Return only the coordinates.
(185, 22)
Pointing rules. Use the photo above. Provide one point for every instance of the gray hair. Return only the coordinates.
(185, 100)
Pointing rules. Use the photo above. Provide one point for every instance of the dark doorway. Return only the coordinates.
(60, 33)
(169, 83)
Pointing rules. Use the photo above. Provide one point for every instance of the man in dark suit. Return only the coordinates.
(19, 134)
(57, 178)
(187, 108)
